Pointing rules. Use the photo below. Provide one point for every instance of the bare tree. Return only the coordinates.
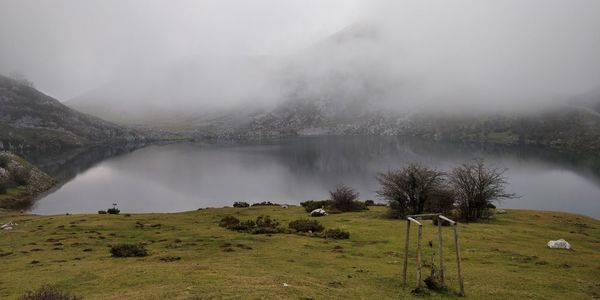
(476, 186)
(408, 190)
(345, 198)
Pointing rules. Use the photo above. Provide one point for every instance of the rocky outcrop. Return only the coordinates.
(21, 182)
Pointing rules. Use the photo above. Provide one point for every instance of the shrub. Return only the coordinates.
(262, 225)
(408, 190)
(265, 225)
(265, 203)
(344, 198)
(128, 250)
(304, 225)
(266, 221)
(228, 221)
(314, 204)
(245, 226)
(113, 211)
(48, 293)
(336, 234)
(101, 212)
(241, 204)
(476, 186)
(441, 201)
(370, 203)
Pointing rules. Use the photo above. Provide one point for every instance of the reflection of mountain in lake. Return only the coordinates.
(65, 165)
(186, 176)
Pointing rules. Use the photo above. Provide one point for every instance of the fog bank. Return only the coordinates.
(405, 55)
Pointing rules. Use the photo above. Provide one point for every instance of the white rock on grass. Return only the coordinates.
(318, 212)
(559, 244)
(8, 225)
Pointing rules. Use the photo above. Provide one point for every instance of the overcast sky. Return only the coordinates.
(70, 46)
(483, 51)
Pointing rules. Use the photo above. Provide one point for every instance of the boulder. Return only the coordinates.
(318, 212)
(559, 244)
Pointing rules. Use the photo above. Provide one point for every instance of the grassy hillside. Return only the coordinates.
(505, 258)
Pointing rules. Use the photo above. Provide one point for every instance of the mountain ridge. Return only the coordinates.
(29, 120)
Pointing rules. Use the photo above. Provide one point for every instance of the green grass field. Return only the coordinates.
(504, 258)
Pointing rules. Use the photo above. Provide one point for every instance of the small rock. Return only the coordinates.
(559, 244)
(318, 212)
(8, 226)
(285, 285)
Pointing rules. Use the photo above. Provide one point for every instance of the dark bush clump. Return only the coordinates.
(101, 212)
(262, 225)
(245, 226)
(336, 234)
(128, 250)
(266, 225)
(228, 221)
(113, 211)
(315, 204)
(266, 203)
(48, 293)
(370, 203)
(344, 198)
(241, 204)
(304, 225)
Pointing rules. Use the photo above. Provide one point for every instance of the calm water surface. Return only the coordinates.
(181, 177)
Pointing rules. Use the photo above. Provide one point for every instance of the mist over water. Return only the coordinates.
(189, 176)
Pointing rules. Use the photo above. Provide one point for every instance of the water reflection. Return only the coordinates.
(188, 176)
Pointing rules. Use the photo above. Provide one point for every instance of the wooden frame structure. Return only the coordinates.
(440, 218)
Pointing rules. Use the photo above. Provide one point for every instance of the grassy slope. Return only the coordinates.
(505, 258)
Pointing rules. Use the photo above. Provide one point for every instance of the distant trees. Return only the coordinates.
(476, 187)
(469, 189)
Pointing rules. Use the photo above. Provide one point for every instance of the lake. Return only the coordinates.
(188, 176)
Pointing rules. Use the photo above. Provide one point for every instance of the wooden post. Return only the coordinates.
(406, 253)
(460, 278)
(419, 256)
(440, 253)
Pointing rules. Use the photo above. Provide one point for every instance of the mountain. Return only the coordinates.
(31, 120)
(344, 85)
